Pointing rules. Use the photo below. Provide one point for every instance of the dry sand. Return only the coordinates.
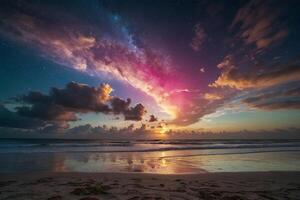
(138, 186)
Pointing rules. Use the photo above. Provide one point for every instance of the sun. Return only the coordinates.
(163, 130)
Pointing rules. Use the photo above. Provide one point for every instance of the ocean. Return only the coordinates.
(148, 156)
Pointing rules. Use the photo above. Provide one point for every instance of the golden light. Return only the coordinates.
(163, 160)
(163, 163)
(171, 110)
(163, 130)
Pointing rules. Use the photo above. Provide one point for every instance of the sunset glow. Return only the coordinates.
(149, 99)
(145, 73)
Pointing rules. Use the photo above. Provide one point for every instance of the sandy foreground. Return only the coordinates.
(139, 186)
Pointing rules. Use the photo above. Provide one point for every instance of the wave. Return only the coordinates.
(109, 147)
(64, 145)
(226, 153)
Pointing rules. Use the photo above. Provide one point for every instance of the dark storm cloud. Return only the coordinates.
(35, 97)
(82, 97)
(13, 120)
(135, 113)
(47, 112)
(120, 106)
(74, 96)
(60, 106)
(63, 104)
(152, 118)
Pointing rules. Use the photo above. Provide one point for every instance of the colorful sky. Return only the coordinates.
(149, 65)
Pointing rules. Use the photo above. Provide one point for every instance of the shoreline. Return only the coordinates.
(135, 186)
(79, 174)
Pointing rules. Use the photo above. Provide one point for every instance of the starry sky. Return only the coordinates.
(149, 65)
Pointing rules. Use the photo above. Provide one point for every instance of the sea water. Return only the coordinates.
(148, 156)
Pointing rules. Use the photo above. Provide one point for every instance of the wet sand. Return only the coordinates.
(141, 186)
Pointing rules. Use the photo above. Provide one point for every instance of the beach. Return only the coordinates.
(135, 186)
(149, 100)
(136, 170)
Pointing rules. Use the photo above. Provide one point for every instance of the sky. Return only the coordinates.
(149, 66)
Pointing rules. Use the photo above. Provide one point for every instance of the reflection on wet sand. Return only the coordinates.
(170, 162)
(164, 162)
(127, 162)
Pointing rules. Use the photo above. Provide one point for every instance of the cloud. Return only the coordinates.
(277, 104)
(278, 78)
(63, 104)
(13, 120)
(260, 24)
(128, 132)
(227, 63)
(106, 48)
(135, 113)
(232, 77)
(195, 107)
(60, 106)
(109, 49)
(103, 132)
(82, 97)
(280, 99)
(212, 96)
(47, 112)
(152, 118)
(120, 106)
(199, 37)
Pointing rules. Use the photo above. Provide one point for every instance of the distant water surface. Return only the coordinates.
(149, 156)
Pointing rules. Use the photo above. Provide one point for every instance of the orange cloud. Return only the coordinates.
(212, 96)
(256, 20)
(233, 78)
